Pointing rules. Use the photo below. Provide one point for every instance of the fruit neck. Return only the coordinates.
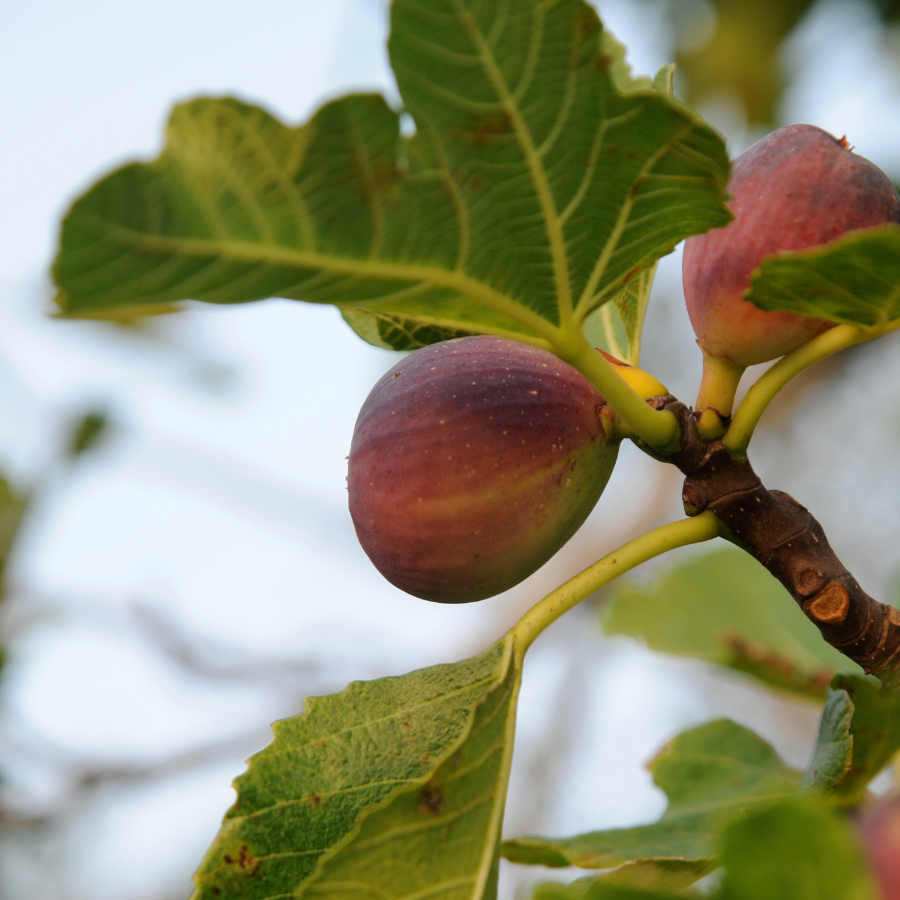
(721, 378)
(656, 428)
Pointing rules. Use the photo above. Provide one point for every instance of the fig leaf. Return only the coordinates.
(796, 848)
(711, 774)
(722, 606)
(855, 280)
(541, 180)
(875, 728)
(373, 786)
(833, 754)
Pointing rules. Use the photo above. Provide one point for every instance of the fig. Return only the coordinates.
(880, 828)
(798, 187)
(472, 462)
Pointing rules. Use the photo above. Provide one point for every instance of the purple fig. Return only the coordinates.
(798, 187)
(473, 461)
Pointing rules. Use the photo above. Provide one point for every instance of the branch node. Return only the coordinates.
(830, 605)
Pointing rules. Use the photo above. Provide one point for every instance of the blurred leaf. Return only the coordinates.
(854, 280)
(875, 728)
(88, 433)
(133, 316)
(724, 607)
(742, 57)
(833, 753)
(12, 511)
(390, 788)
(531, 186)
(710, 774)
(796, 850)
(594, 889)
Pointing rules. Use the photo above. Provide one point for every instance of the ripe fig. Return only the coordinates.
(880, 828)
(473, 461)
(798, 187)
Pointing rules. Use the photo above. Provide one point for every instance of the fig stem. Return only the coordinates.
(719, 384)
(658, 428)
(743, 424)
(703, 527)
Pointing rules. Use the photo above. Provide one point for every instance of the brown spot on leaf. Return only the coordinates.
(431, 800)
(487, 127)
(587, 23)
(245, 860)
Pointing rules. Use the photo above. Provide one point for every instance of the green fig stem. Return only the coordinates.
(660, 540)
(657, 428)
(721, 378)
(740, 431)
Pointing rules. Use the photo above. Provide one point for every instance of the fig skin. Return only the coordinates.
(798, 187)
(880, 829)
(472, 462)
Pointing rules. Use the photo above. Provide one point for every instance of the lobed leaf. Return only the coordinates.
(724, 607)
(540, 181)
(854, 280)
(390, 787)
(710, 774)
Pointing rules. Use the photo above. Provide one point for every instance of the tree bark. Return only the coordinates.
(783, 535)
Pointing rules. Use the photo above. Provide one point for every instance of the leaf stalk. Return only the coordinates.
(740, 432)
(657, 428)
(660, 540)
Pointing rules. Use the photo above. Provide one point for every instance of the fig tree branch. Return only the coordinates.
(783, 535)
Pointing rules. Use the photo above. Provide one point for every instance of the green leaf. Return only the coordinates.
(594, 889)
(532, 189)
(854, 280)
(875, 728)
(617, 327)
(724, 607)
(796, 850)
(710, 774)
(389, 788)
(833, 753)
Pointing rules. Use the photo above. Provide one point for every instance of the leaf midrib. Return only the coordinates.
(534, 161)
(247, 251)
